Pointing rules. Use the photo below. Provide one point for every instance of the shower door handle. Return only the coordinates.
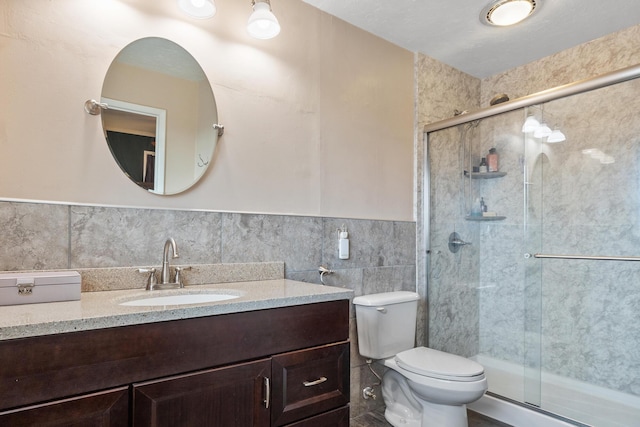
(586, 257)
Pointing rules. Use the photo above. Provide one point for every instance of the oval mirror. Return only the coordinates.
(161, 117)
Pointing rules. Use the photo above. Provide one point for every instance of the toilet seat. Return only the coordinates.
(437, 364)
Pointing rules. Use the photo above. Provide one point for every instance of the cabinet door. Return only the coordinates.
(309, 382)
(104, 409)
(230, 396)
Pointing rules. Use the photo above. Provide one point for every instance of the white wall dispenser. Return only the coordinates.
(343, 243)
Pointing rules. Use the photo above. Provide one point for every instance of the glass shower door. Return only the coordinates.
(479, 301)
(582, 234)
(533, 164)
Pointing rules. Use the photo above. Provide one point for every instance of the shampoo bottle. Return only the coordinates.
(492, 160)
(476, 208)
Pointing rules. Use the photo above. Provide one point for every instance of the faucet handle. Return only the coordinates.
(179, 271)
(152, 280)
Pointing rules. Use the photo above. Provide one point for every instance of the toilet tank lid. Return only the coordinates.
(386, 298)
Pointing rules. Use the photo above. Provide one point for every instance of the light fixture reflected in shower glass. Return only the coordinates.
(530, 124)
(503, 13)
(556, 136)
(263, 24)
(600, 156)
(543, 131)
(200, 9)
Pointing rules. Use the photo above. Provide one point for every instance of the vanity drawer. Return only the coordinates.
(309, 382)
(336, 418)
(108, 408)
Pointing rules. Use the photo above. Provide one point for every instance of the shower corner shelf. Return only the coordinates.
(484, 218)
(485, 175)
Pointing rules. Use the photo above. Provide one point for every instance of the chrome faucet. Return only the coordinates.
(166, 270)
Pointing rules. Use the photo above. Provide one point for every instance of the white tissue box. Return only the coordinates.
(30, 288)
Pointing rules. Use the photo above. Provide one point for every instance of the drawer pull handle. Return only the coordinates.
(267, 392)
(316, 382)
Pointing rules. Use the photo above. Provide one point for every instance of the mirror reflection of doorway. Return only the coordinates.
(148, 168)
(143, 128)
(136, 156)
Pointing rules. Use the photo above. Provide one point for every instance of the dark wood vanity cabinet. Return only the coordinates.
(102, 409)
(229, 396)
(275, 367)
(270, 392)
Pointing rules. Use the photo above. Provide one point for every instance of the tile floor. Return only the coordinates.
(376, 419)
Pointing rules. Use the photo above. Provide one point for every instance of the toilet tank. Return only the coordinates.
(386, 323)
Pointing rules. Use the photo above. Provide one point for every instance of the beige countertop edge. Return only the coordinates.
(99, 310)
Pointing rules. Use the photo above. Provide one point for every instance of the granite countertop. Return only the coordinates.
(97, 310)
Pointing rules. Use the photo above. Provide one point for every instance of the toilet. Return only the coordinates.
(423, 387)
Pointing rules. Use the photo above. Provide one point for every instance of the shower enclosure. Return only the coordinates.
(544, 288)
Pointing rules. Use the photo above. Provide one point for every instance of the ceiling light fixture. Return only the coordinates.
(503, 13)
(262, 24)
(200, 9)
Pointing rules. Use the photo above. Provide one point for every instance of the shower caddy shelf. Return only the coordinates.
(484, 218)
(484, 175)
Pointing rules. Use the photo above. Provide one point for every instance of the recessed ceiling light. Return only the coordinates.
(507, 12)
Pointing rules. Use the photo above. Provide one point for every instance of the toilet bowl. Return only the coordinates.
(423, 387)
(441, 397)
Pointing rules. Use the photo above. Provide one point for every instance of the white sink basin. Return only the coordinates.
(181, 299)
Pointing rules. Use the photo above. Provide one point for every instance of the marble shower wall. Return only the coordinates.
(452, 312)
(476, 295)
(503, 307)
(609, 53)
(453, 290)
(40, 236)
(576, 319)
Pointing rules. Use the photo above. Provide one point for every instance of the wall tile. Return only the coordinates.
(372, 243)
(259, 238)
(34, 236)
(350, 278)
(112, 237)
(608, 53)
(362, 377)
(385, 279)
